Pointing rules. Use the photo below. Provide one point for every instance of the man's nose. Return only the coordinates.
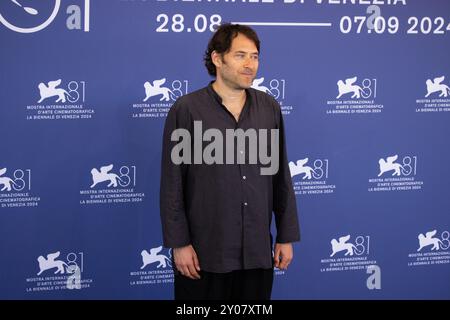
(249, 62)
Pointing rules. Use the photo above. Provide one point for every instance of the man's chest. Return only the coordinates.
(221, 118)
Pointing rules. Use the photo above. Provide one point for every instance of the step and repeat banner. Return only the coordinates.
(85, 86)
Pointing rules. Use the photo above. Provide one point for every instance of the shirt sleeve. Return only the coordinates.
(174, 223)
(284, 201)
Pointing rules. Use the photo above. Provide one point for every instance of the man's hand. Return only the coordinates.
(186, 261)
(283, 255)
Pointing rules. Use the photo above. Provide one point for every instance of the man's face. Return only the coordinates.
(237, 68)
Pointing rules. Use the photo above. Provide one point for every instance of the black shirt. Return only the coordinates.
(225, 210)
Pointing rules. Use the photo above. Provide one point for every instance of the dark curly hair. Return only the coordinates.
(221, 42)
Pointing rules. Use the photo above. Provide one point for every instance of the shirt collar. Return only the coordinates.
(216, 96)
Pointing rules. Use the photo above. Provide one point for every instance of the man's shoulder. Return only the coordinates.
(261, 97)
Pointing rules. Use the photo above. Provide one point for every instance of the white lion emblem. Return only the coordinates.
(105, 175)
(152, 256)
(257, 85)
(50, 263)
(300, 168)
(342, 245)
(436, 85)
(51, 90)
(428, 240)
(156, 89)
(388, 165)
(6, 181)
(349, 86)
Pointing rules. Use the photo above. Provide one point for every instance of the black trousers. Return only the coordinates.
(254, 284)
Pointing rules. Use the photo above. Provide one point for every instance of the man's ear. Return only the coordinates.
(216, 58)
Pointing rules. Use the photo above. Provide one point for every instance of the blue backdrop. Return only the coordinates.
(364, 89)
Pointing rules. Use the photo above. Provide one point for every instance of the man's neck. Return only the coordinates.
(229, 95)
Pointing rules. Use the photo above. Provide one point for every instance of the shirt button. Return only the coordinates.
(244, 177)
(242, 152)
(245, 203)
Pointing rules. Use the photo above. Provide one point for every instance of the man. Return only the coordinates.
(215, 215)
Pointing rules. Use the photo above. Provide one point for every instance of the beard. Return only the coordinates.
(237, 79)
